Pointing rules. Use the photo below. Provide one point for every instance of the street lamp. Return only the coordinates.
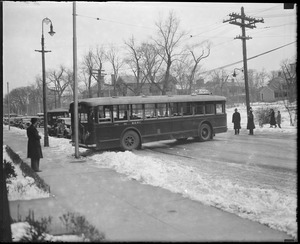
(234, 74)
(51, 32)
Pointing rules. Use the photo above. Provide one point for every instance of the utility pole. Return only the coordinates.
(8, 106)
(248, 22)
(75, 112)
(100, 77)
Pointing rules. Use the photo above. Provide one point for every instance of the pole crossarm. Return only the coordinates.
(250, 24)
(45, 51)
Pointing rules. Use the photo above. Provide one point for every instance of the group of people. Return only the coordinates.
(275, 121)
(236, 120)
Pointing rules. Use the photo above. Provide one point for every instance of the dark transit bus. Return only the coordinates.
(127, 122)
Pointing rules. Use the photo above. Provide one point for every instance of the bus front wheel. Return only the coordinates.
(205, 132)
(130, 140)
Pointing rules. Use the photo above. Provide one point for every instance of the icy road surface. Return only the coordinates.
(253, 177)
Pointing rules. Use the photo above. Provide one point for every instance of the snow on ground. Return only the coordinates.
(22, 187)
(267, 206)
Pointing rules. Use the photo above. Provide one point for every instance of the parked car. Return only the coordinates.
(61, 128)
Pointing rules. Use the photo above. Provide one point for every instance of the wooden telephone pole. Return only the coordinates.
(245, 22)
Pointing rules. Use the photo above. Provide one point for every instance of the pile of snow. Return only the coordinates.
(22, 187)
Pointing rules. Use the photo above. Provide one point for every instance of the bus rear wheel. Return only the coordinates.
(205, 132)
(130, 140)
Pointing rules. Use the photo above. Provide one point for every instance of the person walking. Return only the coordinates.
(250, 122)
(236, 120)
(278, 119)
(272, 118)
(34, 150)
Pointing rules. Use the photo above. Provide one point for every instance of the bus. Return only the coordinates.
(128, 122)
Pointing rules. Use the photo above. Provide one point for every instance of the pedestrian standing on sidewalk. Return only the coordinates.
(272, 118)
(250, 123)
(34, 149)
(236, 120)
(278, 119)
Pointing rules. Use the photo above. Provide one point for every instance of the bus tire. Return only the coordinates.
(205, 132)
(130, 140)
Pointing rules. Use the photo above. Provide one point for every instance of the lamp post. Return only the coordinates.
(234, 74)
(51, 32)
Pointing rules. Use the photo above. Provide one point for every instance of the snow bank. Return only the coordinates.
(22, 187)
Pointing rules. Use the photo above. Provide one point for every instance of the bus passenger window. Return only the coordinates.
(199, 108)
(150, 111)
(219, 108)
(122, 112)
(162, 110)
(175, 109)
(187, 109)
(136, 111)
(209, 108)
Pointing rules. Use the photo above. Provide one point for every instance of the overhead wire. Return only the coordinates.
(228, 65)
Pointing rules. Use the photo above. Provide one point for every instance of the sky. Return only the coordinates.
(112, 23)
(267, 204)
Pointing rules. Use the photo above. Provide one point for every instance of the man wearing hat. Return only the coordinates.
(34, 149)
(236, 120)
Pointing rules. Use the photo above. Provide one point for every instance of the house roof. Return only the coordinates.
(276, 83)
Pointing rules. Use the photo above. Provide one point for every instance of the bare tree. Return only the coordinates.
(290, 87)
(114, 59)
(181, 69)
(134, 60)
(60, 81)
(151, 64)
(198, 52)
(88, 67)
(168, 40)
(219, 78)
(99, 58)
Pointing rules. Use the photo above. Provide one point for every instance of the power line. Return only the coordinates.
(228, 65)
(113, 21)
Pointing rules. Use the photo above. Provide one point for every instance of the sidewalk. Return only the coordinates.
(126, 210)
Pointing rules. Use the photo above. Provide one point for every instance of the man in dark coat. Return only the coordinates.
(250, 123)
(34, 150)
(272, 118)
(236, 120)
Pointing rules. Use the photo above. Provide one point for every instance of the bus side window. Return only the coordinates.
(162, 110)
(150, 111)
(199, 108)
(209, 108)
(136, 111)
(175, 109)
(187, 108)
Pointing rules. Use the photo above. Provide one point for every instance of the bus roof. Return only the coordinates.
(92, 102)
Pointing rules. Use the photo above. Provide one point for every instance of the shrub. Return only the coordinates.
(9, 171)
(262, 114)
(37, 229)
(80, 226)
